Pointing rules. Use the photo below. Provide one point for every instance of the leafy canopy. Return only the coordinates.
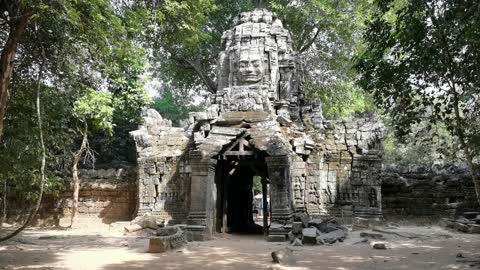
(88, 45)
(420, 61)
(174, 108)
(183, 37)
(96, 109)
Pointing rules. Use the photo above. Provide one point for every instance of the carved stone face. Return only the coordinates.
(250, 67)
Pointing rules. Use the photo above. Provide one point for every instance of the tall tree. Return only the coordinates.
(174, 108)
(183, 37)
(15, 15)
(94, 111)
(88, 44)
(421, 61)
(43, 154)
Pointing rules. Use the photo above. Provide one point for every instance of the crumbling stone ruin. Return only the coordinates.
(168, 238)
(106, 196)
(427, 191)
(469, 222)
(258, 124)
(431, 192)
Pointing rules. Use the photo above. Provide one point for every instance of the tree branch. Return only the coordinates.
(197, 67)
(310, 43)
(75, 180)
(6, 62)
(459, 121)
(42, 166)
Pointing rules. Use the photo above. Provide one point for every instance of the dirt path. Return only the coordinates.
(106, 248)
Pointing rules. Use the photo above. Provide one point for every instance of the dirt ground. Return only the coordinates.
(105, 247)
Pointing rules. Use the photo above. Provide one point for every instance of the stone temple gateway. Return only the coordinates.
(258, 124)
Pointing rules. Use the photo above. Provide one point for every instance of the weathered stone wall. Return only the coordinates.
(163, 169)
(343, 170)
(105, 196)
(427, 191)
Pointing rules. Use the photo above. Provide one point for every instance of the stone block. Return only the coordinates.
(360, 224)
(473, 228)
(379, 245)
(297, 243)
(371, 235)
(317, 223)
(297, 227)
(303, 217)
(291, 237)
(460, 227)
(156, 245)
(470, 215)
(463, 220)
(283, 256)
(332, 237)
(276, 238)
(330, 227)
(309, 236)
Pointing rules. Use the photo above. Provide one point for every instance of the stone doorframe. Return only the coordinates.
(203, 195)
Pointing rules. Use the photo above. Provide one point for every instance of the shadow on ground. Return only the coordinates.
(432, 248)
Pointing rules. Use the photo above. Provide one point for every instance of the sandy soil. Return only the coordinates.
(107, 248)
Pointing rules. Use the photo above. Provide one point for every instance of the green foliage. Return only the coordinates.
(420, 61)
(175, 31)
(422, 146)
(184, 36)
(96, 109)
(257, 185)
(340, 100)
(174, 108)
(21, 150)
(125, 68)
(88, 45)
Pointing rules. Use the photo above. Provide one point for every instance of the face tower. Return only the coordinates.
(258, 69)
(258, 125)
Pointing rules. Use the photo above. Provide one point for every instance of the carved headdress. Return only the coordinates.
(257, 68)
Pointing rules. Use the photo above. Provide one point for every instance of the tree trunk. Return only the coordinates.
(42, 166)
(75, 181)
(17, 29)
(4, 204)
(469, 160)
(475, 178)
(211, 86)
(463, 143)
(196, 65)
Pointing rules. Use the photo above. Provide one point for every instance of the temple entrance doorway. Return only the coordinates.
(242, 193)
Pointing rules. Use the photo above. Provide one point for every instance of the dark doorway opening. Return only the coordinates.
(237, 208)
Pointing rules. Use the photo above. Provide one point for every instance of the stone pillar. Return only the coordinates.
(280, 200)
(200, 223)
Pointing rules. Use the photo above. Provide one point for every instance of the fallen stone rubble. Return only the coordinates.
(161, 238)
(168, 238)
(143, 222)
(468, 222)
(316, 231)
(283, 256)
